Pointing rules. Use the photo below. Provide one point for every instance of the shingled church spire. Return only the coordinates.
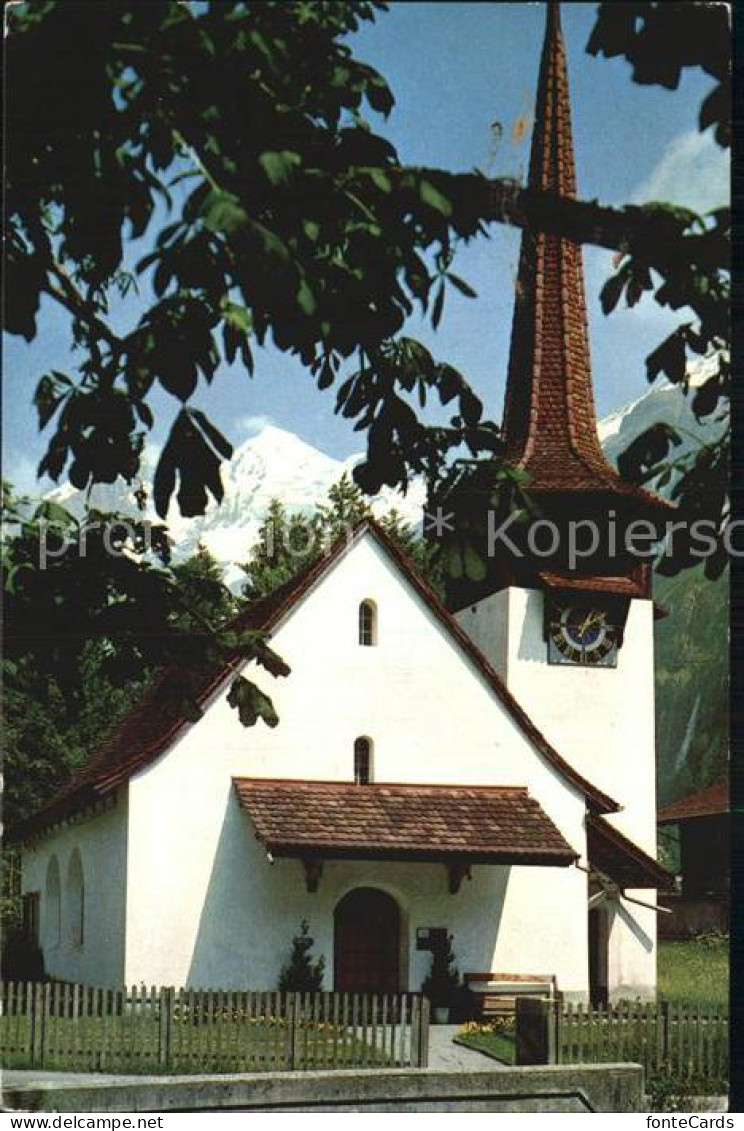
(550, 426)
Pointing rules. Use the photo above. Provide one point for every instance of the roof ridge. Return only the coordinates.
(415, 787)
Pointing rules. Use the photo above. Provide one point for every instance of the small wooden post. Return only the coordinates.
(664, 1036)
(415, 1031)
(46, 1011)
(289, 1016)
(297, 1031)
(165, 1026)
(425, 1020)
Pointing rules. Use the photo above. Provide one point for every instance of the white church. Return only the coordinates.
(484, 767)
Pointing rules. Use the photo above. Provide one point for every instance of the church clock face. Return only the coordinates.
(581, 634)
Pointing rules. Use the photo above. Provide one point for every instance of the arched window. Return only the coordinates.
(53, 909)
(75, 900)
(362, 761)
(367, 624)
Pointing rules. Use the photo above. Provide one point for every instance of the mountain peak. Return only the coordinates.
(275, 463)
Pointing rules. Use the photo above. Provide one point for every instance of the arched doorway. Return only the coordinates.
(366, 942)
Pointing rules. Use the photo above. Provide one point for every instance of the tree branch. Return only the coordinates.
(658, 235)
(67, 295)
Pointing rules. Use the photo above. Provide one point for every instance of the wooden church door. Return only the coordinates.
(367, 943)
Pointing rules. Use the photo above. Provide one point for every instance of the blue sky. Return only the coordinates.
(455, 69)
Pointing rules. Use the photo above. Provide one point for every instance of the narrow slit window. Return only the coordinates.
(76, 900)
(53, 905)
(367, 624)
(362, 761)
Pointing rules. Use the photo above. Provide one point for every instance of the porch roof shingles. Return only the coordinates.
(404, 822)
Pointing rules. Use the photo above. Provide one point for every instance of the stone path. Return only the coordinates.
(444, 1053)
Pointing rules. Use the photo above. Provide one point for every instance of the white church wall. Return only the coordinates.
(632, 948)
(487, 625)
(432, 719)
(602, 721)
(102, 844)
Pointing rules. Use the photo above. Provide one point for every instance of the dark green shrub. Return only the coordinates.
(442, 985)
(301, 974)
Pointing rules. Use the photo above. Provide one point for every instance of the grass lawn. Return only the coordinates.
(695, 971)
(130, 1043)
(501, 1046)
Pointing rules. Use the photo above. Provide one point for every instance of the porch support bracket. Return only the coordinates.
(313, 872)
(456, 873)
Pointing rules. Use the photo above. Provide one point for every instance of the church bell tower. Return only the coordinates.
(572, 636)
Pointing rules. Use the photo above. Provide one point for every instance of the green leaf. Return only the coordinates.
(433, 197)
(144, 413)
(278, 166)
(470, 407)
(612, 291)
(218, 441)
(463, 287)
(237, 316)
(223, 212)
(669, 358)
(164, 481)
(306, 298)
(251, 703)
(327, 376)
(50, 393)
(475, 567)
(380, 180)
(379, 95)
(54, 514)
(436, 314)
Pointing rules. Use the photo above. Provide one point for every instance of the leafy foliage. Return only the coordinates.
(288, 542)
(92, 611)
(660, 40)
(301, 974)
(204, 598)
(284, 215)
(301, 225)
(284, 545)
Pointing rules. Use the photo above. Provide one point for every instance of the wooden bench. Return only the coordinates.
(495, 994)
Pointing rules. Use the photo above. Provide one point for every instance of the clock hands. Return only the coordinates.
(582, 635)
(591, 618)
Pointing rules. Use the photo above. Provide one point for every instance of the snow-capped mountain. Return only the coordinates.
(272, 464)
(663, 402)
(275, 463)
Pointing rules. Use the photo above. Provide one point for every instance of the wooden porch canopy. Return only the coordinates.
(621, 860)
(455, 826)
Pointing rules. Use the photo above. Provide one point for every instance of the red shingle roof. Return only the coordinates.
(158, 719)
(617, 586)
(478, 824)
(708, 802)
(623, 861)
(550, 425)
